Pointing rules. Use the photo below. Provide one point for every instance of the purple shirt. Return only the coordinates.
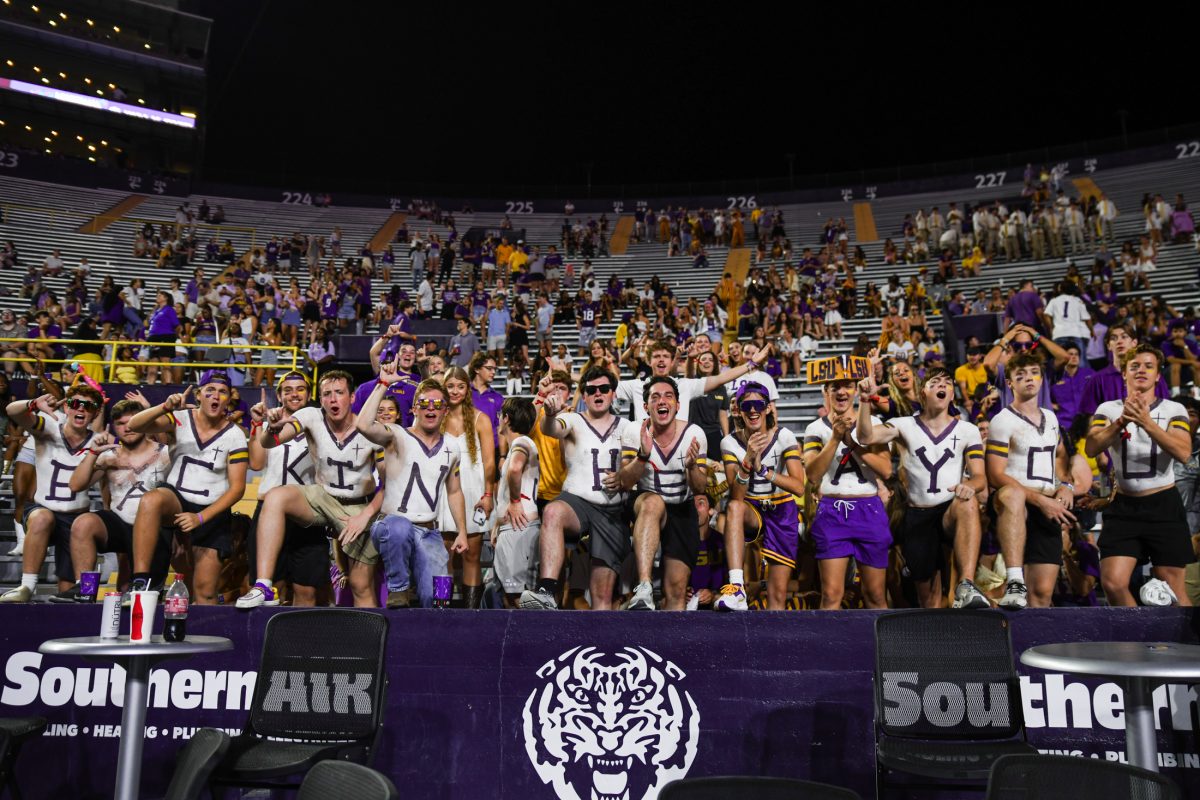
(164, 321)
(1169, 349)
(587, 314)
(1023, 308)
(489, 402)
(1067, 391)
(403, 392)
(1108, 384)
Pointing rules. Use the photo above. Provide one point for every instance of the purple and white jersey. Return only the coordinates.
(56, 460)
(1139, 464)
(128, 480)
(199, 467)
(665, 474)
(1029, 448)
(289, 464)
(347, 468)
(847, 474)
(587, 314)
(416, 480)
(782, 447)
(588, 453)
(935, 464)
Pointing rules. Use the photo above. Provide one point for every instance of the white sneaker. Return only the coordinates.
(21, 594)
(732, 598)
(259, 595)
(967, 595)
(693, 603)
(1157, 592)
(1015, 596)
(537, 600)
(643, 598)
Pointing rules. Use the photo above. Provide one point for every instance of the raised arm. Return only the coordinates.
(366, 423)
(87, 473)
(550, 424)
(156, 419)
(867, 432)
(25, 412)
(724, 377)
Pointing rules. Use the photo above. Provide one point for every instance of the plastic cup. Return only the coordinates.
(443, 590)
(142, 606)
(89, 584)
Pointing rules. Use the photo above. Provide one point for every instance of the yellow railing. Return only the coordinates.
(112, 362)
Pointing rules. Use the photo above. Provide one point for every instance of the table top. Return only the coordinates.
(123, 648)
(1167, 660)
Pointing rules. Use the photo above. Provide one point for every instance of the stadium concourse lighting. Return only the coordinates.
(53, 24)
(36, 68)
(62, 14)
(35, 9)
(98, 104)
(10, 63)
(91, 22)
(116, 28)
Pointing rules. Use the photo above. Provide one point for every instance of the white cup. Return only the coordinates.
(147, 603)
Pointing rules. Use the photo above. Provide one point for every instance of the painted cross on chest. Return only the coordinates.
(1157, 420)
(954, 440)
(217, 451)
(357, 448)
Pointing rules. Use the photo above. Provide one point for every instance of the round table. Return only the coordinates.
(1139, 665)
(136, 659)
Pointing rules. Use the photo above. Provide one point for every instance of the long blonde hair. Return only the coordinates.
(468, 411)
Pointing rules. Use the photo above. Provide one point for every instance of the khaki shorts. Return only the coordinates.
(327, 509)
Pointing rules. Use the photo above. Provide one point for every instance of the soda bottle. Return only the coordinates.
(175, 611)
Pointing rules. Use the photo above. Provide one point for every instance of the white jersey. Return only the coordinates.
(754, 376)
(199, 468)
(665, 474)
(347, 468)
(629, 394)
(529, 478)
(847, 474)
(1139, 464)
(289, 464)
(1029, 448)
(416, 480)
(128, 479)
(782, 447)
(588, 454)
(55, 460)
(935, 464)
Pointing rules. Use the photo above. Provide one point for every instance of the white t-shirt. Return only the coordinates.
(783, 447)
(845, 476)
(529, 478)
(665, 474)
(55, 460)
(1029, 448)
(588, 453)
(1139, 464)
(416, 479)
(1070, 317)
(935, 463)
(346, 469)
(199, 467)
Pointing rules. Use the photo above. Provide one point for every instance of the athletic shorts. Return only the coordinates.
(215, 533)
(1043, 536)
(60, 538)
(517, 557)
(1154, 527)
(680, 537)
(27, 454)
(118, 532)
(777, 522)
(586, 336)
(166, 342)
(304, 557)
(611, 542)
(921, 537)
(852, 527)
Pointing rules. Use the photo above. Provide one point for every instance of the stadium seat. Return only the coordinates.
(343, 779)
(759, 788)
(1073, 778)
(195, 763)
(15, 731)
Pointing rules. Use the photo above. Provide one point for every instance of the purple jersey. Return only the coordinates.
(587, 314)
(489, 402)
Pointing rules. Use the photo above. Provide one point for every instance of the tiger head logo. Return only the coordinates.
(610, 726)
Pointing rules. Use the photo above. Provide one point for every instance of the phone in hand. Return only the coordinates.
(480, 516)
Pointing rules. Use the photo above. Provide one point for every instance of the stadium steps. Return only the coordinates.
(618, 245)
(864, 223)
(387, 232)
(122, 209)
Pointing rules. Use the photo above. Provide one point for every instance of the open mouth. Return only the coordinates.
(610, 777)
(663, 412)
(940, 394)
(80, 419)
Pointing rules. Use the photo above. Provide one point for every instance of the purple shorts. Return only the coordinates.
(856, 527)
(778, 522)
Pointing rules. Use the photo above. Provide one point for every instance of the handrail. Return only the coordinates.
(112, 362)
(67, 213)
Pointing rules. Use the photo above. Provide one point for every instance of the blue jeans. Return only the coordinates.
(411, 555)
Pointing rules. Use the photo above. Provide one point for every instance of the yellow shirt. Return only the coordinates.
(550, 460)
(503, 254)
(517, 260)
(619, 336)
(972, 377)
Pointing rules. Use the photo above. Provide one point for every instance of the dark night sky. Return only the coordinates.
(344, 99)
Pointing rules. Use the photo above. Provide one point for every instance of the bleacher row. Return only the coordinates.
(40, 217)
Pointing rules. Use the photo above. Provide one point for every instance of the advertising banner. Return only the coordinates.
(571, 705)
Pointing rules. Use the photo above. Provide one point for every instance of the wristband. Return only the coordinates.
(643, 458)
(29, 404)
(487, 494)
(275, 436)
(740, 480)
(200, 516)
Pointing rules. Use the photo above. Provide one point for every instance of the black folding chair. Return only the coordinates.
(319, 696)
(1071, 778)
(947, 698)
(195, 764)
(15, 731)
(736, 787)
(343, 779)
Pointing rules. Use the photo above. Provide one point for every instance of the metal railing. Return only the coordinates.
(111, 363)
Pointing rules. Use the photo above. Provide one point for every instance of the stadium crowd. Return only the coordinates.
(655, 473)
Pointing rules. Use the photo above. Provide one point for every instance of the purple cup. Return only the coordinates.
(89, 586)
(443, 589)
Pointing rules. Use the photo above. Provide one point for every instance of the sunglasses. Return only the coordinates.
(753, 406)
(79, 403)
(430, 405)
(603, 388)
